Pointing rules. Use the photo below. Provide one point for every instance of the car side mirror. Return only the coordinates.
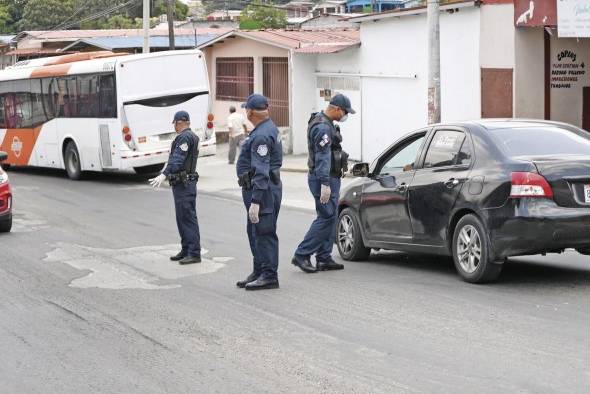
(3, 156)
(360, 169)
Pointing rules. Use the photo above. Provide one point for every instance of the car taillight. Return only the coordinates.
(210, 118)
(209, 125)
(530, 184)
(127, 137)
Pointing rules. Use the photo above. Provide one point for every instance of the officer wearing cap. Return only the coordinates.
(258, 170)
(327, 163)
(182, 176)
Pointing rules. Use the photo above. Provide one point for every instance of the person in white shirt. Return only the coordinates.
(236, 123)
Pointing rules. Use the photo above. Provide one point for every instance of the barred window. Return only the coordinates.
(235, 78)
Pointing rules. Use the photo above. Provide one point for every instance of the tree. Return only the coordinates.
(180, 9)
(45, 14)
(12, 12)
(258, 15)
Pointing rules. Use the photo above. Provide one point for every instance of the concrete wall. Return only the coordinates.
(566, 102)
(237, 47)
(497, 36)
(303, 86)
(305, 95)
(529, 78)
(392, 107)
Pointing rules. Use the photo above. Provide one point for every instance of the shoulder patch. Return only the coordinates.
(262, 150)
(184, 147)
(325, 140)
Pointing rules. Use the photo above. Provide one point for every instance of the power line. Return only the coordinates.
(97, 15)
(58, 26)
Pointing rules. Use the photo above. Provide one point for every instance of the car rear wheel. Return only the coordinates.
(6, 225)
(471, 252)
(72, 161)
(147, 170)
(349, 239)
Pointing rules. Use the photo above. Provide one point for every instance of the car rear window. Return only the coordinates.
(542, 141)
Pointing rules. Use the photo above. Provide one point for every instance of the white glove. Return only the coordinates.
(325, 194)
(157, 181)
(253, 213)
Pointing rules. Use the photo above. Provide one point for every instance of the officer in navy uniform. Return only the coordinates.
(327, 163)
(258, 170)
(182, 176)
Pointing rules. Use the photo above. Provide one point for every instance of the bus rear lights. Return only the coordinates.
(126, 130)
(128, 137)
(210, 118)
(209, 125)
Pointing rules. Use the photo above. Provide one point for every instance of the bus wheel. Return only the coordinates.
(147, 170)
(72, 161)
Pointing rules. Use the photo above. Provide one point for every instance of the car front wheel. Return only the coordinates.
(471, 251)
(6, 225)
(349, 239)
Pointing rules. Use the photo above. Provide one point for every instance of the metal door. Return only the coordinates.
(275, 77)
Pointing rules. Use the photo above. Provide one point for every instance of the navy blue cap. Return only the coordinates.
(256, 101)
(343, 102)
(181, 116)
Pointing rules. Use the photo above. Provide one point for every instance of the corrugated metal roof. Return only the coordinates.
(79, 34)
(325, 48)
(307, 41)
(112, 43)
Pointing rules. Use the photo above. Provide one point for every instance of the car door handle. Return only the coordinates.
(401, 188)
(452, 182)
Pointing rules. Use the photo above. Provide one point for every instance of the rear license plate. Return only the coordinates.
(587, 193)
(167, 137)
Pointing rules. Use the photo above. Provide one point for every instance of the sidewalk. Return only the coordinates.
(219, 177)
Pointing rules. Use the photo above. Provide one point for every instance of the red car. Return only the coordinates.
(5, 199)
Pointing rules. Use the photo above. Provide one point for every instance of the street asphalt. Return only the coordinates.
(90, 303)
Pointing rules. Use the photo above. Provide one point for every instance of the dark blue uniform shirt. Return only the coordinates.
(261, 153)
(320, 137)
(182, 146)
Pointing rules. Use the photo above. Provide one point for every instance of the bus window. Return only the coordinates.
(22, 113)
(88, 102)
(38, 111)
(107, 96)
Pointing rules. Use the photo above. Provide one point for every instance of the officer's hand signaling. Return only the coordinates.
(325, 194)
(253, 213)
(157, 181)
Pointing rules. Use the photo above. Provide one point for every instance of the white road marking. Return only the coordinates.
(130, 268)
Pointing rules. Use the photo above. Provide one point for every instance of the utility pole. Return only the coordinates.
(433, 15)
(146, 26)
(171, 23)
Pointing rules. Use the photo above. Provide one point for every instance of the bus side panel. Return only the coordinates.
(20, 144)
(47, 149)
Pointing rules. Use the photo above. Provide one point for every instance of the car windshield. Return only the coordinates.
(542, 141)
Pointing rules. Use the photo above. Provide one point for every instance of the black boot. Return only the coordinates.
(304, 264)
(178, 256)
(190, 260)
(328, 265)
(263, 283)
(251, 278)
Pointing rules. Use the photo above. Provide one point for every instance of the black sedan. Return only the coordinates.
(478, 191)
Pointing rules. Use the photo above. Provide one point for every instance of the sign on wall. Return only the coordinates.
(573, 18)
(567, 69)
(533, 13)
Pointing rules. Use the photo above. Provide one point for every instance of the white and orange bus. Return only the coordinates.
(102, 111)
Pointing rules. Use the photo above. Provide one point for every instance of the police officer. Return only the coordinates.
(181, 173)
(258, 170)
(327, 163)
